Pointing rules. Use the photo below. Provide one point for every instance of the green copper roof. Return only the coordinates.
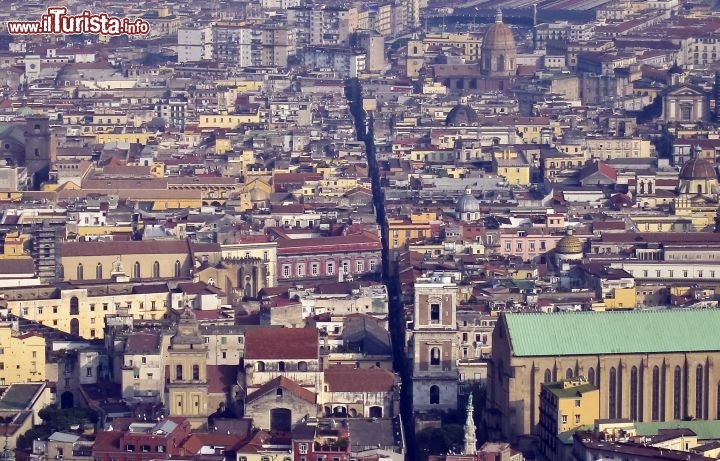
(705, 430)
(594, 333)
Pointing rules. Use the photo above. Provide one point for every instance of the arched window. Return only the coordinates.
(281, 366)
(136, 270)
(302, 366)
(699, 393)
(591, 375)
(177, 269)
(434, 395)
(677, 393)
(196, 372)
(501, 63)
(260, 366)
(61, 272)
(435, 356)
(178, 372)
(79, 271)
(699, 189)
(656, 394)
(634, 394)
(156, 269)
(98, 271)
(279, 392)
(612, 393)
(74, 306)
(548, 376)
(568, 373)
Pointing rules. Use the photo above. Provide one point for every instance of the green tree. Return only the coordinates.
(57, 420)
(439, 440)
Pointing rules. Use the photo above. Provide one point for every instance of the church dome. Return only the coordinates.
(498, 52)
(698, 168)
(569, 245)
(499, 37)
(467, 203)
(461, 115)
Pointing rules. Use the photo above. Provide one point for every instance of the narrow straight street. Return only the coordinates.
(364, 127)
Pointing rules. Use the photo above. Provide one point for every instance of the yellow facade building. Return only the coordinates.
(513, 166)
(22, 356)
(81, 310)
(402, 231)
(565, 405)
(228, 121)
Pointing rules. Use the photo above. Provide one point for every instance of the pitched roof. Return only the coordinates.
(142, 342)
(99, 248)
(594, 333)
(284, 383)
(268, 343)
(346, 378)
(198, 440)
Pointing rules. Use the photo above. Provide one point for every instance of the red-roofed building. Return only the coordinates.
(360, 392)
(290, 352)
(280, 404)
(326, 257)
(142, 440)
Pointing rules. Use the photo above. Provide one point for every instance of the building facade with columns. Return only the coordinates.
(647, 365)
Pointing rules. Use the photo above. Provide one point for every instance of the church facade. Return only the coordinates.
(647, 365)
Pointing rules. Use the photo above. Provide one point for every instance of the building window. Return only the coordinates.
(677, 393)
(177, 269)
(435, 356)
(591, 376)
(346, 268)
(634, 401)
(330, 268)
(564, 419)
(434, 313)
(98, 271)
(136, 270)
(359, 266)
(301, 270)
(178, 372)
(569, 373)
(74, 306)
(156, 269)
(286, 271)
(196, 372)
(260, 366)
(548, 376)
(699, 393)
(303, 448)
(612, 394)
(79, 271)
(372, 265)
(314, 269)
(655, 394)
(434, 395)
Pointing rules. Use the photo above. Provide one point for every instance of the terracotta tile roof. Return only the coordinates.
(282, 344)
(221, 378)
(333, 244)
(286, 384)
(346, 378)
(198, 440)
(74, 249)
(143, 343)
